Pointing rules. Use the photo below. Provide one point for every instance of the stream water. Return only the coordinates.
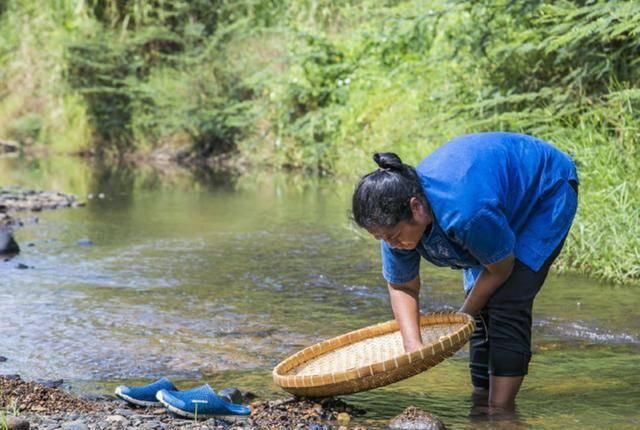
(214, 278)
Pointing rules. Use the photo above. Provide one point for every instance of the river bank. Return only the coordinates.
(30, 405)
(14, 200)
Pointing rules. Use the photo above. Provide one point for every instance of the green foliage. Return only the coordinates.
(100, 71)
(26, 128)
(322, 84)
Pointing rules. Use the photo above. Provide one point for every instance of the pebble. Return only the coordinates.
(343, 418)
(119, 419)
(152, 425)
(3, 359)
(75, 425)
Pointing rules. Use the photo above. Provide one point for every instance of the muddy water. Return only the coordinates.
(211, 278)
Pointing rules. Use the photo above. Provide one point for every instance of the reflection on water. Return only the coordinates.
(217, 278)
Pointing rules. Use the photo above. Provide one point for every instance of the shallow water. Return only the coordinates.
(211, 278)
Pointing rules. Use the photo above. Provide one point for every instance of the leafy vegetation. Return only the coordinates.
(321, 84)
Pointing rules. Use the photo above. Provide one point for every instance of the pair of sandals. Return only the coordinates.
(198, 402)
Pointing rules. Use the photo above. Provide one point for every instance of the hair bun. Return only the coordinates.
(387, 160)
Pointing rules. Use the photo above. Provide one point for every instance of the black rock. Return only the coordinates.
(15, 423)
(85, 242)
(22, 266)
(231, 395)
(249, 397)
(8, 245)
(3, 359)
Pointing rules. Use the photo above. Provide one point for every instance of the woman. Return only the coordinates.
(498, 206)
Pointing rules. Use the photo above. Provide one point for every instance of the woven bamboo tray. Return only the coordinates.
(371, 357)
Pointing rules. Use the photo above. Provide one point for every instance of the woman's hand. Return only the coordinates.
(489, 280)
(405, 305)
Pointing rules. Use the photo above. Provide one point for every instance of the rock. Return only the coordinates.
(22, 266)
(118, 419)
(231, 395)
(151, 425)
(48, 422)
(343, 419)
(55, 383)
(12, 377)
(125, 412)
(92, 397)
(3, 359)
(248, 397)
(9, 146)
(15, 423)
(413, 418)
(8, 245)
(75, 425)
(85, 242)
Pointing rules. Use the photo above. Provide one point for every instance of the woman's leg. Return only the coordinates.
(509, 331)
(507, 321)
(503, 391)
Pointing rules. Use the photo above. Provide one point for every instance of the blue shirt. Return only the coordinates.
(492, 195)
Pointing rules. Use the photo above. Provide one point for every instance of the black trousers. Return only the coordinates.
(501, 343)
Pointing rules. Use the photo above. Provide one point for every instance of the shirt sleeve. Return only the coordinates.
(399, 266)
(488, 236)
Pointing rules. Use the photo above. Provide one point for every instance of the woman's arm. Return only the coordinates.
(406, 310)
(490, 278)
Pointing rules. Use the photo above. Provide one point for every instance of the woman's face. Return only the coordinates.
(406, 234)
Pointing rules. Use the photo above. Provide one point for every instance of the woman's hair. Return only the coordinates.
(381, 198)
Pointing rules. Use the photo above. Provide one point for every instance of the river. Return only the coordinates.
(215, 278)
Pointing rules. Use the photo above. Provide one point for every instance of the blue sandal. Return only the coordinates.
(203, 402)
(144, 395)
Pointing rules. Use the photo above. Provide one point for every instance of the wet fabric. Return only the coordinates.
(492, 195)
(501, 343)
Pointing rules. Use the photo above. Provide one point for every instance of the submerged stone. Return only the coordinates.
(413, 418)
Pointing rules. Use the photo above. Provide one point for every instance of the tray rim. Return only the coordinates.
(455, 340)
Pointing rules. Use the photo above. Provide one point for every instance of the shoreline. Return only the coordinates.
(50, 408)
